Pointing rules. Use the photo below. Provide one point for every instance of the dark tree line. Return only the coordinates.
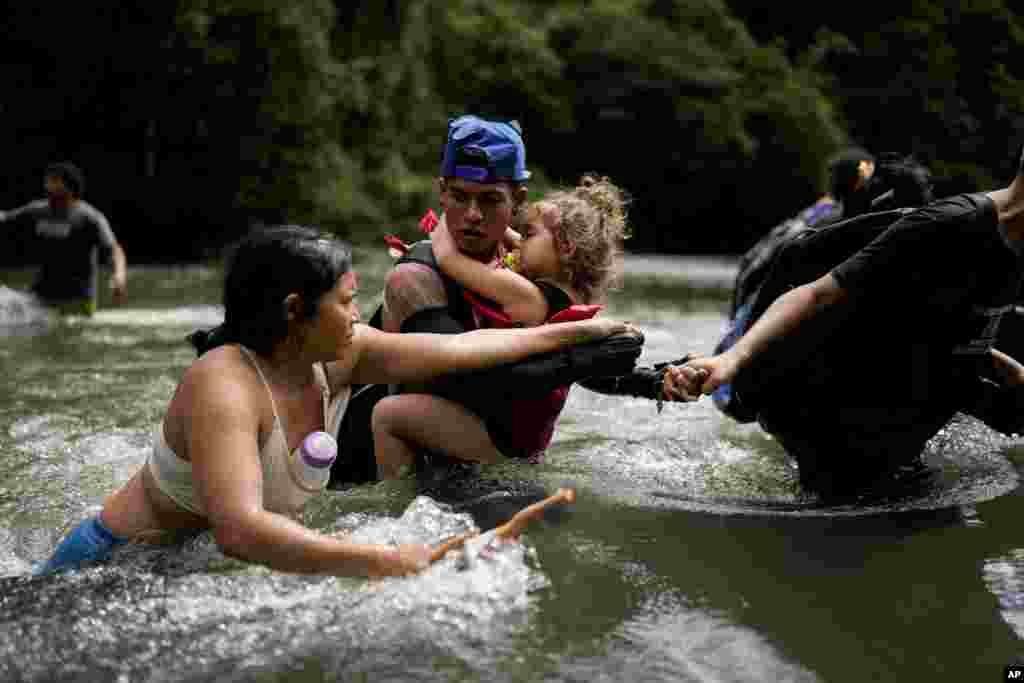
(196, 118)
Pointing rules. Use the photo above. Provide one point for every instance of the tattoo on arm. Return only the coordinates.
(410, 288)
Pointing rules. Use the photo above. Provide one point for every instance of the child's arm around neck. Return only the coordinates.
(520, 299)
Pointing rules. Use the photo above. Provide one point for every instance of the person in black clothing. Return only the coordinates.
(855, 371)
(859, 184)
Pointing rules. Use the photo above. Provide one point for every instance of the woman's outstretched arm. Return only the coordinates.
(381, 357)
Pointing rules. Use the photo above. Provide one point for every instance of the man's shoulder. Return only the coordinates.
(420, 252)
(407, 273)
(410, 288)
(37, 206)
(89, 212)
(959, 207)
(949, 216)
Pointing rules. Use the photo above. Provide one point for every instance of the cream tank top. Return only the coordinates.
(281, 493)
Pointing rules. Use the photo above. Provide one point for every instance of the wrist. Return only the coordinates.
(384, 560)
(582, 335)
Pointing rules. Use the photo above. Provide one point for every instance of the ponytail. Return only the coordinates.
(610, 202)
(204, 340)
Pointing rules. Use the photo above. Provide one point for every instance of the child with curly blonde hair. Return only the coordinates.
(569, 257)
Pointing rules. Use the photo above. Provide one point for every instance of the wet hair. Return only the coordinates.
(591, 220)
(74, 179)
(262, 269)
(844, 171)
(899, 181)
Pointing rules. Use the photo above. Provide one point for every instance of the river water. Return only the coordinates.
(689, 554)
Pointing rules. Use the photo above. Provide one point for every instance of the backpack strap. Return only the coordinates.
(466, 306)
(809, 254)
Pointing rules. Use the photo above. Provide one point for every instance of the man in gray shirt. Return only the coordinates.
(71, 232)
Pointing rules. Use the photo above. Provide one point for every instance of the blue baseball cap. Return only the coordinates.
(484, 151)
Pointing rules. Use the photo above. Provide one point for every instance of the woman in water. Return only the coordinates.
(277, 369)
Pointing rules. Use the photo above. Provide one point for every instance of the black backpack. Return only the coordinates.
(898, 181)
(804, 257)
(813, 252)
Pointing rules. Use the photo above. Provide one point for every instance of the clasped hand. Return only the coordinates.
(699, 375)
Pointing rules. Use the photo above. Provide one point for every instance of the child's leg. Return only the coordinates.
(406, 423)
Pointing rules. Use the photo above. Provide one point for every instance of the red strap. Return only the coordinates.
(496, 316)
(571, 314)
(576, 312)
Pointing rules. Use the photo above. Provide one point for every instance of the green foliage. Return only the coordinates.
(680, 103)
(913, 76)
(717, 118)
(493, 58)
(271, 65)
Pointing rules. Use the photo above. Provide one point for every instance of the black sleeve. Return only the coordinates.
(998, 406)
(438, 320)
(922, 249)
(538, 374)
(644, 382)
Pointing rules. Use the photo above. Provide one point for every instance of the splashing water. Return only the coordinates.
(690, 554)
